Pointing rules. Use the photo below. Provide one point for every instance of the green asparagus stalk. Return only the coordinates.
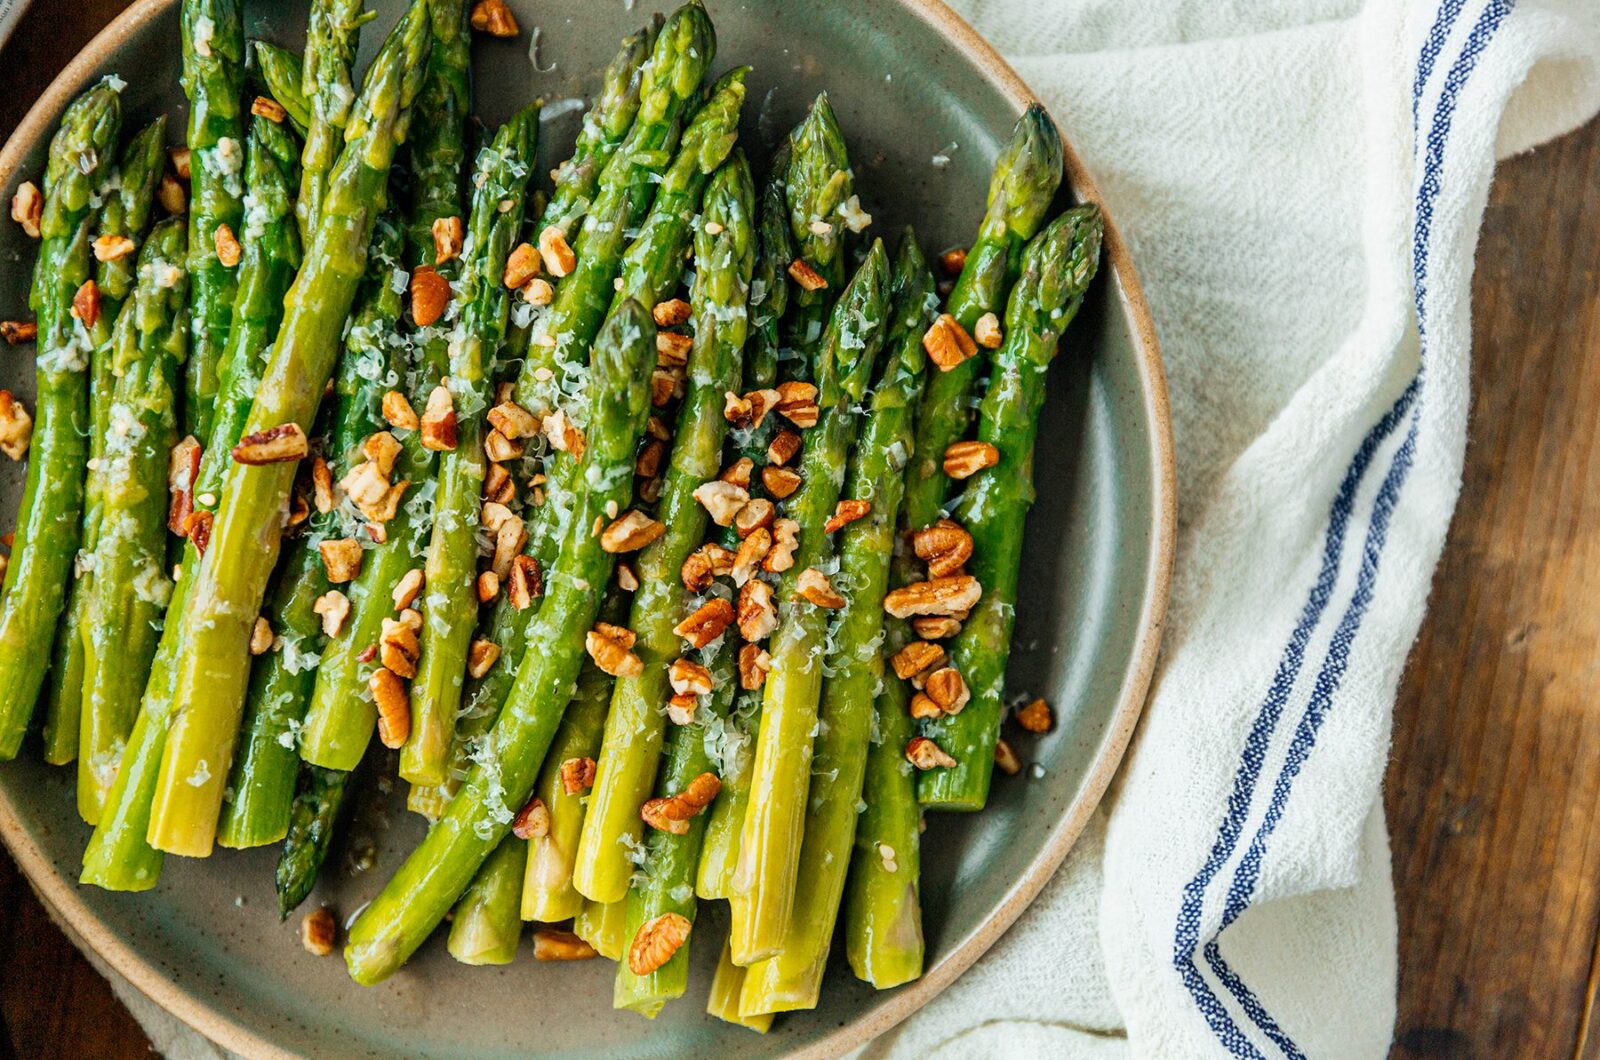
(213, 80)
(265, 766)
(764, 882)
(414, 901)
(883, 906)
(486, 926)
(340, 719)
(793, 978)
(680, 54)
(547, 892)
(312, 822)
(133, 587)
(1057, 269)
(1021, 189)
(769, 291)
(484, 301)
(635, 725)
(126, 213)
(818, 183)
(726, 987)
(328, 85)
(281, 72)
(48, 524)
(210, 637)
(603, 925)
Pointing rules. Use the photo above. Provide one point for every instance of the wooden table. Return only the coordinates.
(1495, 780)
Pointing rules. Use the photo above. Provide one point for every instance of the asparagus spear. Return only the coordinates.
(484, 301)
(883, 910)
(486, 927)
(547, 891)
(726, 986)
(1057, 269)
(414, 901)
(1023, 184)
(769, 292)
(793, 978)
(340, 719)
(210, 636)
(680, 54)
(313, 818)
(634, 727)
(125, 214)
(213, 80)
(52, 500)
(133, 587)
(263, 775)
(764, 881)
(281, 72)
(328, 85)
(817, 183)
(603, 925)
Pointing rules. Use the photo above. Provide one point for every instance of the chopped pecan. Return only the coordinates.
(656, 427)
(814, 586)
(688, 677)
(538, 292)
(394, 710)
(785, 540)
(757, 614)
(780, 482)
(113, 248)
(16, 427)
(721, 500)
(707, 622)
(183, 469)
(987, 331)
(430, 295)
(1006, 758)
(499, 449)
(673, 813)
(317, 932)
(1036, 717)
(270, 109)
(925, 754)
(704, 564)
(488, 586)
(562, 435)
(924, 707)
(439, 428)
(965, 459)
(498, 485)
(681, 708)
(322, 485)
(754, 515)
(532, 821)
(398, 648)
(630, 532)
(671, 313)
(558, 257)
(944, 546)
(181, 159)
(342, 558)
(665, 384)
(609, 646)
(948, 688)
(16, 332)
(738, 473)
(797, 403)
(648, 465)
(171, 196)
(334, 607)
(553, 944)
(282, 444)
(509, 538)
(947, 342)
(398, 413)
(936, 627)
(754, 662)
(447, 235)
(494, 18)
(481, 657)
(577, 774)
(260, 636)
(527, 584)
(227, 246)
(938, 596)
(845, 513)
(513, 421)
(752, 550)
(406, 588)
(627, 581)
(381, 448)
(808, 278)
(658, 939)
(86, 303)
(953, 260)
(915, 658)
(197, 528)
(783, 447)
(673, 349)
(27, 208)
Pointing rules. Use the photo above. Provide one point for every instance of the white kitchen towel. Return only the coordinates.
(1301, 184)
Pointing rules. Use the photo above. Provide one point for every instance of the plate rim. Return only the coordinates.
(60, 896)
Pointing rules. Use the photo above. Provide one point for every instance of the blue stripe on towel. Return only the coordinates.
(1246, 780)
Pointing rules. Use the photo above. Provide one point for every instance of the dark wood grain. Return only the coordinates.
(1495, 782)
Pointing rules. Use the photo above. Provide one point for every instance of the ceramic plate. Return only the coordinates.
(910, 82)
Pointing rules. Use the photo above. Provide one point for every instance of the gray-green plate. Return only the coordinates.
(909, 81)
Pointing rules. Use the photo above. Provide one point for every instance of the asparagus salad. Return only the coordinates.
(656, 523)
